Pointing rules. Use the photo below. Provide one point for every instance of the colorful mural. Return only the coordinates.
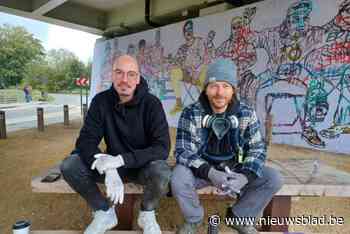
(293, 60)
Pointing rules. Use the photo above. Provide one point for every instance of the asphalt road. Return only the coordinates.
(24, 115)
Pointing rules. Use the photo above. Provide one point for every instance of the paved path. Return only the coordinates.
(24, 115)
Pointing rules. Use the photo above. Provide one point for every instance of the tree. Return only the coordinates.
(56, 71)
(18, 48)
(65, 67)
(88, 69)
(37, 74)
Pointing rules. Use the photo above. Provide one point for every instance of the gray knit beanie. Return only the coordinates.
(222, 70)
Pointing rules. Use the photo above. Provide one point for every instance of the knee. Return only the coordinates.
(181, 179)
(275, 180)
(160, 173)
(68, 166)
(160, 170)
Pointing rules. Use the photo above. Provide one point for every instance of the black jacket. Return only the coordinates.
(138, 129)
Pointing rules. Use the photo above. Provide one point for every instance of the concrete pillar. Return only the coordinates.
(2, 125)
(40, 115)
(66, 115)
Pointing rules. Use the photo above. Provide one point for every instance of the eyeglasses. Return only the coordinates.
(131, 75)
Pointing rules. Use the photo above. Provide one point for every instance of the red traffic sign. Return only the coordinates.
(82, 81)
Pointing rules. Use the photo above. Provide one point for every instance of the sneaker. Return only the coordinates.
(332, 132)
(102, 222)
(188, 228)
(310, 135)
(147, 221)
(335, 131)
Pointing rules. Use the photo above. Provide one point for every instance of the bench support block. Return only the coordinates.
(125, 212)
(278, 207)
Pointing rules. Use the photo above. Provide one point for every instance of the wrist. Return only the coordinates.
(211, 173)
(111, 171)
(203, 171)
(250, 176)
(120, 160)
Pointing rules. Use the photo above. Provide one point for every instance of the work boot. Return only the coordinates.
(244, 229)
(238, 224)
(188, 228)
(147, 221)
(102, 222)
(310, 135)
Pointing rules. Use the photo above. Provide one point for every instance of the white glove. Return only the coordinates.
(225, 191)
(114, 186)
(236, 182)
(106, 161)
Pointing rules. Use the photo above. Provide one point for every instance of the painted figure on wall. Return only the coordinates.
(189, 57)
(289, 67)
(331, 66)
(286, 46)
(211, 46)
(157, 66)
(116, 50)
(106, 68)
(131, 50)
(157, 55)
(240, 48)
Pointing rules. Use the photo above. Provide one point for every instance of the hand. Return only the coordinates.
(218, 178)
(106, 161)
(227, 192)
(114, 186)
(236, 182)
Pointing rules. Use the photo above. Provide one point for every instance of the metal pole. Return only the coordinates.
(2, 125)
(86, 96)
(84, 111)
(81, 100)
(66, 115)
(40, 114)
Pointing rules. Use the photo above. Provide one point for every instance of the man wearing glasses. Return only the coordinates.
(134, 127)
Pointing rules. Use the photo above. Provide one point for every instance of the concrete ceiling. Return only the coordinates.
(104, 5)
(115, 17)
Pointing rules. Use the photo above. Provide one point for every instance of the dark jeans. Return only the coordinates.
(154, 177)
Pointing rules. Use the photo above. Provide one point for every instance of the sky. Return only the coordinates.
(55, 37)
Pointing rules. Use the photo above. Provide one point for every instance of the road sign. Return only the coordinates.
(82, 81)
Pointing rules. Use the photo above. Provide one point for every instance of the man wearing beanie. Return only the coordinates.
(219, 143)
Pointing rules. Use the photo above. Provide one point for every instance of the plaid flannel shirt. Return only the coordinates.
(189, 139)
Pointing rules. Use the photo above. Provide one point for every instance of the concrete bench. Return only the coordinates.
(128, 232)
(302, 178)
(139, 232)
